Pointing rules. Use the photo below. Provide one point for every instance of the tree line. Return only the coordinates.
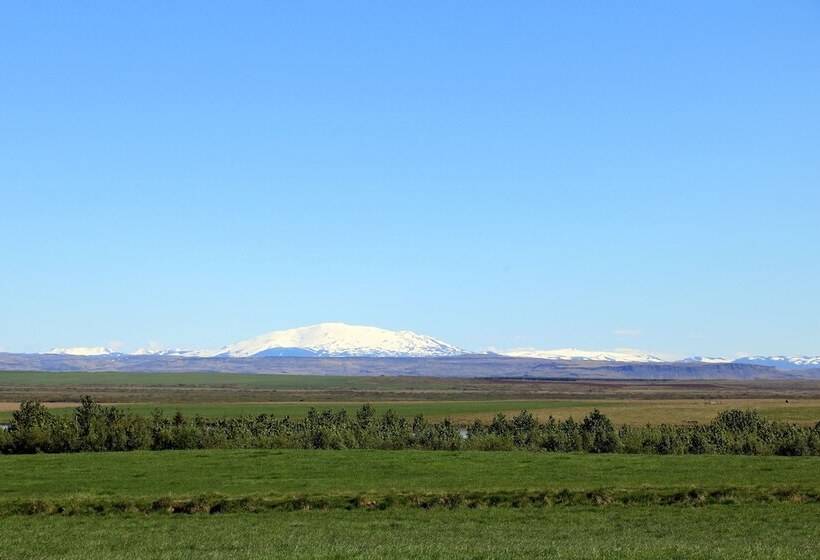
(94, 427)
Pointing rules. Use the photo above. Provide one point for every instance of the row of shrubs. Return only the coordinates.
(94, 427)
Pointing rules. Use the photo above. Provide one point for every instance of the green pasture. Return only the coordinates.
(752, 532)
(317, 473)
(779, 529)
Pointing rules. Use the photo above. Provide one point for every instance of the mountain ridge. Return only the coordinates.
(341, 340)
(574, 354)
(465, 366)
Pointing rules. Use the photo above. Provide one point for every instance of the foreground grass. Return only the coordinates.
(778, 531)
(771, 510)
(327, 473)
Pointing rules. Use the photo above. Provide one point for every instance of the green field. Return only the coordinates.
(777, 532)
(316, 473)
(769, 507)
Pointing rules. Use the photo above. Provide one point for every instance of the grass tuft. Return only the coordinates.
(217, 504)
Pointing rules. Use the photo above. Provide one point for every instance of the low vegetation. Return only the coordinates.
(94, 427)
(725, 532)
(302, 503)
(219, 504)
(264, 481)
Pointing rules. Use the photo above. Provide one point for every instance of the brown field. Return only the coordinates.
(12, 406)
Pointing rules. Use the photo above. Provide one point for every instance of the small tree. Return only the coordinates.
(31, 414)
(31, 428)
(599, 433)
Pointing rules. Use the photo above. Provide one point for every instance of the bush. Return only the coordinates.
(489, 442)
(598, 434)
(5, 441)
(105, 428)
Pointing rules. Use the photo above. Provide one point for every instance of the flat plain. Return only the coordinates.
(207, 394)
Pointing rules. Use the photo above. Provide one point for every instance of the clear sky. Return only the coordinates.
(495, 174)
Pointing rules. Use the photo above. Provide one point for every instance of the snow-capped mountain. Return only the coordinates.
(170, 352)
(782, 362)
(706, 360)
(574, 354)
(779, 362)
(338, 340)
(343, 340)
(325, 339)
(83, 351)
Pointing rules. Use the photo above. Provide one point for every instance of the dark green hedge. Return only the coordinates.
(93, 427)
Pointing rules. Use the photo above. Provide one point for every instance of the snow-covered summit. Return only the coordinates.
(779, 362)
(338, 339)
(574, 354)
(782, 362)
(706, 360)
(343, 340)
(83, 351)
(167, 352)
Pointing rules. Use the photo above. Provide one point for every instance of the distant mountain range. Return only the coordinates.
(340, 340)
(575, 355)
(323, 340)
(465, 365)
(782, 362)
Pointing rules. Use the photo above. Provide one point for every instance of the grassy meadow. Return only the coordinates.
(346, 504)
(756, 532)
(288, 472)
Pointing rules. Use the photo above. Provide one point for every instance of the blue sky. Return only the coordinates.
(597, 175)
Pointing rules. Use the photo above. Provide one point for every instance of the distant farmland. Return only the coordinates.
(209, 394)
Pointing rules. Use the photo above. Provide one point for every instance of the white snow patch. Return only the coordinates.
(782, 361)
(574, 354)
(706, 360)
(83, 351)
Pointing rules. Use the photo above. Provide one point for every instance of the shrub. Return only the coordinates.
(598, 433)
(105, 428)
(489, 442)
(5, 441)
